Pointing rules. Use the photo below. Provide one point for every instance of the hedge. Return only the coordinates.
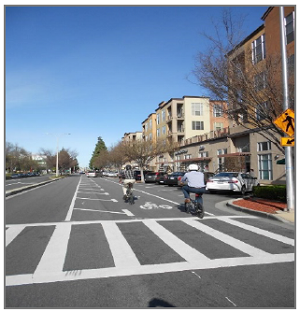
(274, 192)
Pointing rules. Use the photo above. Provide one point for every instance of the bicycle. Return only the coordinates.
(195, 206)
(128, 197)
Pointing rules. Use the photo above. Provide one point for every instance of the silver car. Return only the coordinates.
(231, 181)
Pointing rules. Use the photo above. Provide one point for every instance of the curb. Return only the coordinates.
(24, 188)
(255, 212)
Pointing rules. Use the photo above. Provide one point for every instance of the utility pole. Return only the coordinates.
(289, 165)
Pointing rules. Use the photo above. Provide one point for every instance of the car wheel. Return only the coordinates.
(243, 190)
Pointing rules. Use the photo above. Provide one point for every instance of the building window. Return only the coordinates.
(289, 28)
(157, 119)
(264, 146)
(265, 167)
(163, 130)
(163, 115)
(218, 111)
(260, 81)
(150, 136)
(197, 125)
(158, 132)
(261, 111)
(258, 49)
(197, 109)
(188, 156)
(221, 160)
(203, 154)
(218, 125)
(150, 124)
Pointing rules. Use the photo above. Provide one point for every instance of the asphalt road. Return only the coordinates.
(76, 243)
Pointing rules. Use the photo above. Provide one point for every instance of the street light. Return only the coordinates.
(57, 151)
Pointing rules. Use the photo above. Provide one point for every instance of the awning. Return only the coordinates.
(281, 161)
(194, 159)
(235, 154)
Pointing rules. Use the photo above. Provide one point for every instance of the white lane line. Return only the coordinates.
(54, 256)
(128, 213)
(95, 210)
(135, 270)
(93, 198)
(280, 238)
(231, 301)
(126, 221)
(229, 240)
(123, 255)
(188, 253)
(70, 211)
(12, 232)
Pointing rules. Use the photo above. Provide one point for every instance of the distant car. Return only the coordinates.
(15, 176)
(155, 177)
(91, 174)
(150, 177)
(112, 174)
(231, 181)
(172, 179)
(207, 176)
(137, 174)
(161, 177)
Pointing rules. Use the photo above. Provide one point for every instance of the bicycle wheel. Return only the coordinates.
(200, 211)
(188, 207)
(131, 199)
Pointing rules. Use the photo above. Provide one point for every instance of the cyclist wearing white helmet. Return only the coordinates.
(193, 182)
(128, 178)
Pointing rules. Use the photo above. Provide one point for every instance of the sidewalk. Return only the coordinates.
(264, 208)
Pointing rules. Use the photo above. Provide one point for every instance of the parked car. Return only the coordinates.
(172, 179)
(231, 181)
(161, 177)
(137, 174)
(155, 177)
(150, 177)
(207, 176)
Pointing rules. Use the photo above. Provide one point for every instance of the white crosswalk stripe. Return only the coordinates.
(126, 263)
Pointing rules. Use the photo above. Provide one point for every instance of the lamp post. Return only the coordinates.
(57, 150)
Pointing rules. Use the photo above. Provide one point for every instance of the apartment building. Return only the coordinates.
(149, 128)
(259, 57)
(180, 119)
(132, 136)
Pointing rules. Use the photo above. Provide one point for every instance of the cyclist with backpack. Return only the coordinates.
(193, 182)
(128, 178)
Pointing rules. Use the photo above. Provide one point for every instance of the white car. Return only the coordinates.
(91, 174)
(231, 181)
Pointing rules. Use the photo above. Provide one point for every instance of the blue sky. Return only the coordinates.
(98, 70)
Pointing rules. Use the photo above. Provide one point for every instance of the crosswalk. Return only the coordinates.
(127, 250)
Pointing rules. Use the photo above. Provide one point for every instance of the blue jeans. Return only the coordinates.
(187, 190)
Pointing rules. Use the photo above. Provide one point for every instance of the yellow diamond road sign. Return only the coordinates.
(286, 122)
(287, 141)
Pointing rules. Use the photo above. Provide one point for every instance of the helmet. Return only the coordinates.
(128, 167)
(193, 167)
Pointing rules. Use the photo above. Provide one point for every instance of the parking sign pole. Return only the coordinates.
(289, 167)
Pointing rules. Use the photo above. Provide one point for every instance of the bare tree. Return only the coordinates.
(253, 93)
(142, 152)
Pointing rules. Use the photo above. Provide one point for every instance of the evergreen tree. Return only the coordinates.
(100, 147)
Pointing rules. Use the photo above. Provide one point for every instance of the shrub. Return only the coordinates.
(275, 192)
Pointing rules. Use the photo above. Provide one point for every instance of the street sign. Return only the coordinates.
(287, 141)
(286, 122)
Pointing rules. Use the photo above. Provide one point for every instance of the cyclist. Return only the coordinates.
(193, 182)
(128, 178)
